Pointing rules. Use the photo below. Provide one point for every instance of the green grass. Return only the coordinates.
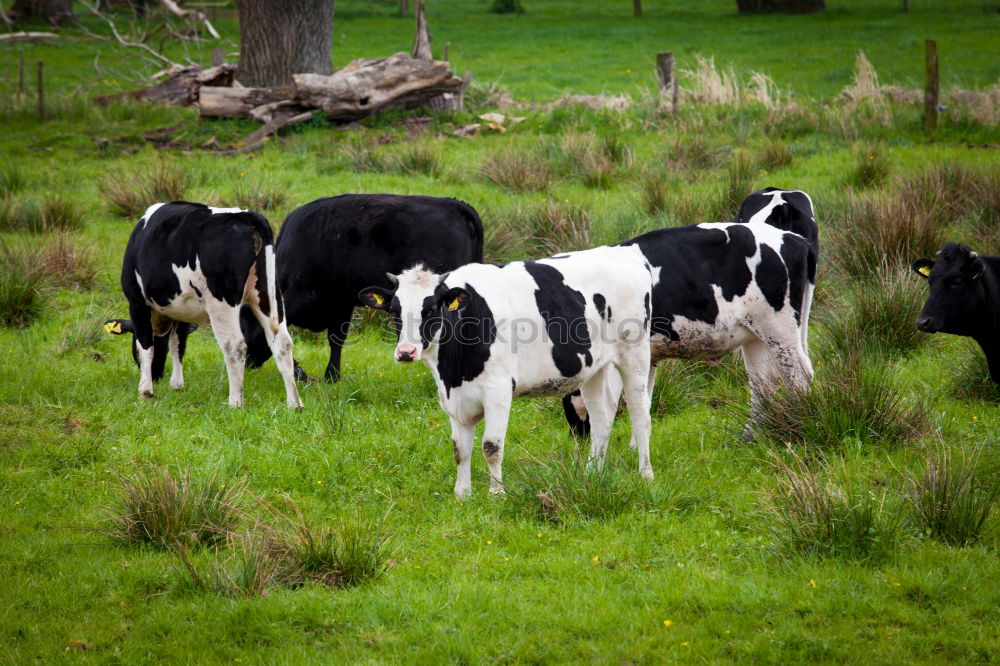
(695, 566)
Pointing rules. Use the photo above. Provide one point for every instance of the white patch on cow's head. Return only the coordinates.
(413, 288)
(220, 211)
(149, 213)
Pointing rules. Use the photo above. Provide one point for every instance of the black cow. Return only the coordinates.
(964, 298)
(332, 248)
(189, 263)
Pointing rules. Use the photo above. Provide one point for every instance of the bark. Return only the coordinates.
(221, 102)
(51, 11)
(366, 86)
(279, 39)
(181, 87)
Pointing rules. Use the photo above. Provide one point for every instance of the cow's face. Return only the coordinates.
(121, 327)
(418, 304)
(956, 295)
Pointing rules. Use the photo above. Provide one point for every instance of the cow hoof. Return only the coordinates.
(462, 493)
(498, 490)
(646, 474)
(148, 395)
(178, 386)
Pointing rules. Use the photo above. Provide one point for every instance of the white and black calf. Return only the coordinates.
(492, 333)
(187, 263)
(332, 248)
(718, 287)
(964, 298)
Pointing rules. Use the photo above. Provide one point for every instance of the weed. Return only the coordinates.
(950, 500)
(130, 192)
(68, 265)
(831, 512)
(260, 194)
(21, 286)
(158, 509)
(871, 166)
(851, 401)
(518, 170)
(881, 315)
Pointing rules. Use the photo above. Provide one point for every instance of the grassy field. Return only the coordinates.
(338, 538)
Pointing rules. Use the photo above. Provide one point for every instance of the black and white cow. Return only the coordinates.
(187, 263)
(492, 333)
(334, 247)
(723, 286)
(964, 298)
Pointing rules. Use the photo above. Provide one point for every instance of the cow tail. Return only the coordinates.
(475, 231)
(267, 273)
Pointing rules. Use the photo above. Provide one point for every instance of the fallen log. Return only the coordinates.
(180, 89)
(369, 85)
(27, 36)
(222, 102)
(256, 139)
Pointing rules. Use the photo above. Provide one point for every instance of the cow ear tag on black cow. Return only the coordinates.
(113, 327)
(923, 266)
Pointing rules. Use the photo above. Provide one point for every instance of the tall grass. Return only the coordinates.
(264, 194)
(28, 215)
(854, 398)
(537, 229)
(129, 192)
(871, 166)
(163, 510)
(831, 511)
(970, 376)
(950, 500)
(21, 286)
(69, 265)
(518, 170)
(12, 180)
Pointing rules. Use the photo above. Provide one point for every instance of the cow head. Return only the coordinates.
(956, 296)
(419, 304)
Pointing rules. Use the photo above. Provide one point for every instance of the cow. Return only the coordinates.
(964, 298)
(724, 286)
(330, 249)
(491, 333)
(187, 263)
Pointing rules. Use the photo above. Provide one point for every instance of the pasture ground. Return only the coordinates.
(701, 564)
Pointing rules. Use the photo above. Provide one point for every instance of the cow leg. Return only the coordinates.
(225, 321)
(280, 344)
(461, 441)
(637, 398)
(143, 340)
(336, 336)
(176, 355)
(597, 396)
(497, 414)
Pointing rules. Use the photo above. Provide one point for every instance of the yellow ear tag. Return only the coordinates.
(378, 298)
(453, 305)
(924, 270)
(114, 327)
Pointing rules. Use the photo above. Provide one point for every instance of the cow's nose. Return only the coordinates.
(926, 324)
(405, 353)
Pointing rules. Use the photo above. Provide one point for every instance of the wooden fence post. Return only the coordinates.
(41, 90)
(20, 76)
(666, 78)
(637, 8)
(931, 86)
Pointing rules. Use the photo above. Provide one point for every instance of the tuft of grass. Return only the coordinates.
(881, 315)
(162, 510)
(68, 265)
(881, 229)
(851, 401)
(550, 227)
(738, 184)
(950, 500)
(831, 512)
(560, 487)
(260, 194)
(82, 335)
(354, 551)
(593, 159)
(678, 386)
(653, 193)
(419, 158)
(130, 192)
(871, 166)
(775, 154)
(518, 170)
(12, 180)
(29, 216)
(697, 153)
(21, 286)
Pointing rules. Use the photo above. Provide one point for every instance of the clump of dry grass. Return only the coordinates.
(707, 85)
(774, 155)
(864, 98)
(518, 170)
(130, 192)
(22, 283)
(695, 153)
(29, 216)
(69, 265)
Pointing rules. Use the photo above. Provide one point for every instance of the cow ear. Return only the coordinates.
(977, 268)
(119, 326)
(923, 266)
(455, 299)
(376, 298)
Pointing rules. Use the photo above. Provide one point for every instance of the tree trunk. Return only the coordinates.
(637, 8)
(279, 39)
(52, 11)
